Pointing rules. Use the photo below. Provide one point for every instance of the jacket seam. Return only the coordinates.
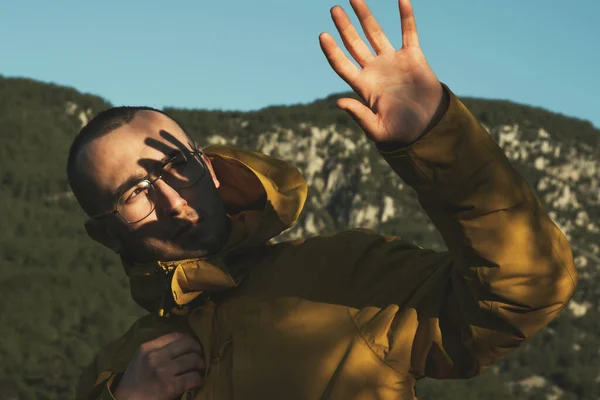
(358, 330)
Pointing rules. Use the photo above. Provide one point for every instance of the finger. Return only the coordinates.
(188, 362)
(408, 24)
(187, 381)
(158, 145)
(360, 113)
(338, 60)
(182, 346)
(373, 31)
(162, 341)
(353, 42)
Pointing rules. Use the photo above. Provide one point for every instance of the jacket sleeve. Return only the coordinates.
(94, 384)
(508, 270)
(99, 390)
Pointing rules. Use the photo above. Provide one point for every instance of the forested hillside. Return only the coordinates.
(62, 296)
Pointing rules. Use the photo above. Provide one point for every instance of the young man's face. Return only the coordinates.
(186, 223)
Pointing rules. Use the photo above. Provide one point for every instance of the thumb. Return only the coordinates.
(359, 113)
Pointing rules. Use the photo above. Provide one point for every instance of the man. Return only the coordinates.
(354, 315)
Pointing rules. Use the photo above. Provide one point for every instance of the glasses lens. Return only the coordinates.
(184, 171)
(137, 203)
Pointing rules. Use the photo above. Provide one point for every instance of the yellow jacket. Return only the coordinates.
(358, 315)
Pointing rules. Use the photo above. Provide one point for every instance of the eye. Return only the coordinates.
(133, 194)
(136, 192)
(181, 157)
(177, 166)
(179, 160)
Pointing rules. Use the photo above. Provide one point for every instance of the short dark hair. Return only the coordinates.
(103, 123)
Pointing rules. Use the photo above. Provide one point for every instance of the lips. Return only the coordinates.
(186, 228)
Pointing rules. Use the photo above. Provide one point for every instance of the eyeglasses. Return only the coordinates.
(180, 172)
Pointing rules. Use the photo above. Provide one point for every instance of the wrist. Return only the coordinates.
(440, 111)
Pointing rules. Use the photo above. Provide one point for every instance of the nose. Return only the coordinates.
(168, 200)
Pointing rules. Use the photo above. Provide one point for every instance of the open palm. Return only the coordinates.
(402, 95)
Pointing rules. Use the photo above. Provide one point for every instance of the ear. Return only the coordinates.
(211, 170)
(98, 231)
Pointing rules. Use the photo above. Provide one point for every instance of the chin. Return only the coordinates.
(208, 239)
(195, 246)
(205, 244)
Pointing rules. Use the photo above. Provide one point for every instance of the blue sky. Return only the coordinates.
(245, 55)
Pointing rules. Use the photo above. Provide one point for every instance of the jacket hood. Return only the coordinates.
(263, 197)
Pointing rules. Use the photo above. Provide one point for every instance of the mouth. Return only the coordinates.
(186, 228)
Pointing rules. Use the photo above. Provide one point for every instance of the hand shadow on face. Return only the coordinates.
(151, 165)
(165, 148)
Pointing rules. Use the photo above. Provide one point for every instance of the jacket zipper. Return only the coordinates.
(221, 351)
(216, 363)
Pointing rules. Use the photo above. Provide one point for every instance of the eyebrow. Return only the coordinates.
(135, 179)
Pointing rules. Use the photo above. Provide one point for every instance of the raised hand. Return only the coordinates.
(163, 369)
(403, 96)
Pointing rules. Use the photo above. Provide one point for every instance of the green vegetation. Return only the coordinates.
(63, 296)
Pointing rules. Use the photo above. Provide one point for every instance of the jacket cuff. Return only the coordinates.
(444, 161)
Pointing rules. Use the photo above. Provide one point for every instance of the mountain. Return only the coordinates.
(63, 296)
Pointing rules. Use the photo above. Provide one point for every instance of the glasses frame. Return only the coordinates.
(196, 154)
